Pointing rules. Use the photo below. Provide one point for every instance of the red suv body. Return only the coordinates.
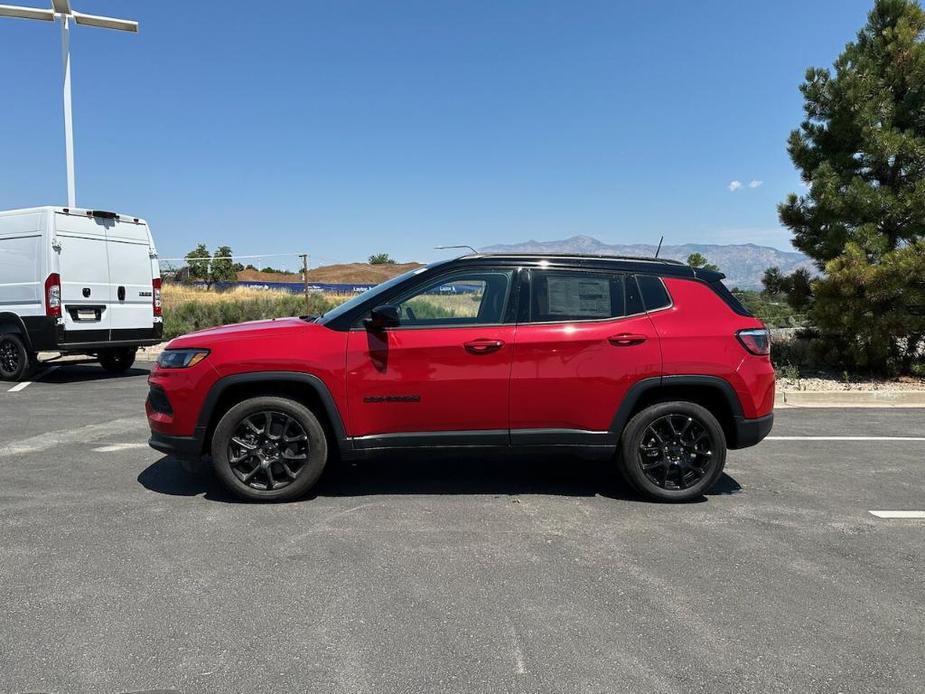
(649, 362)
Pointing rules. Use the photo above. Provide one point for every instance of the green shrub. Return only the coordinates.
(189, 316)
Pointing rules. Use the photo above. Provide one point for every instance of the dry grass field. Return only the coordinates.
(175, 294)
(187, 308)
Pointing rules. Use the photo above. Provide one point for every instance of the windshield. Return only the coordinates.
(375, 291)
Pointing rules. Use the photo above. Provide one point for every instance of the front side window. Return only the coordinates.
(570, 296)
(476, 297)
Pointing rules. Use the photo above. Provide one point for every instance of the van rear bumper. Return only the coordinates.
(46, 335)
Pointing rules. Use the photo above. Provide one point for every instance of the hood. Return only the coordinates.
(258, 329)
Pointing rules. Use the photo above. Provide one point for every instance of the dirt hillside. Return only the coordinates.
(334, 274)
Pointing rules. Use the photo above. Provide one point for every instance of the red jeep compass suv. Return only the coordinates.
(648, 362)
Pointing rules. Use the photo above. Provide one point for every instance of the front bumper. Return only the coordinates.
(748, 432)
(179, 447)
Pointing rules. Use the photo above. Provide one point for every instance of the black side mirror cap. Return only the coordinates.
(382, 317)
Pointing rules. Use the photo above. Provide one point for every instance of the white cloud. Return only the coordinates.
(755, 184)
(735, 185)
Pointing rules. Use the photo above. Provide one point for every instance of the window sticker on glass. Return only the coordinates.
(588, 296)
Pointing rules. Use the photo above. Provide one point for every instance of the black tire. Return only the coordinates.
(15, 360)
(118, 360)
(673, 451)
(272, 463)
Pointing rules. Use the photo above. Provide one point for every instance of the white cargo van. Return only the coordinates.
(76, 281)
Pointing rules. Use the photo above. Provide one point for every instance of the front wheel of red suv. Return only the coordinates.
(269, 449)
(673, 451)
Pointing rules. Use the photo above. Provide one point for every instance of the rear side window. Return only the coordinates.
(569, 296)
(654, 294)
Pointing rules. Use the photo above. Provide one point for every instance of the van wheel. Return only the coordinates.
(117, 361)
(15, 360)
(269, 449)
(673, 451)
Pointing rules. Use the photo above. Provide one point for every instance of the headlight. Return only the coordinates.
(181, 358)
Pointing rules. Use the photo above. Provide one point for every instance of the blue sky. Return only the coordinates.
(346, 128)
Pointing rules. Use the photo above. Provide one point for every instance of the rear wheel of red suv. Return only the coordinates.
(269, 449)
(673, 451)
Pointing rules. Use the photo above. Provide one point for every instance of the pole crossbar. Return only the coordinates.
(61, 11)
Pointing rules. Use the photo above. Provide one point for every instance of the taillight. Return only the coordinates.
(156, 284)
(756, 340)
(53, 295)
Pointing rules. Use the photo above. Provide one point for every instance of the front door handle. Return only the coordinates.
(483, 346)
(626, 339)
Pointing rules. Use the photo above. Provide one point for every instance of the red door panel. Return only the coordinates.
(430, 379)
(575, 375)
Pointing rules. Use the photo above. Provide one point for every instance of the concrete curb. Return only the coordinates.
(850, 398)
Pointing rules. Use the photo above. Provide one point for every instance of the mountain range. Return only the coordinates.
(742, 263)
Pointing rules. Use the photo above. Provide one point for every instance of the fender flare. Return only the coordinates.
(657, 382)
(11, 323)
(311, 381)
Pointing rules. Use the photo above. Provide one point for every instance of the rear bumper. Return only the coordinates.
(46, 335)
(180, 447)
(748, 432)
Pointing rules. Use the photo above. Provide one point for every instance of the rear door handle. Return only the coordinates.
(626, 339)
(483, 346)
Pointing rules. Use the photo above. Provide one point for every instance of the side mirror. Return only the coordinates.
(382, 317)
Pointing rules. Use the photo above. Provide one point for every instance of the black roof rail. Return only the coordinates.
(590, 256)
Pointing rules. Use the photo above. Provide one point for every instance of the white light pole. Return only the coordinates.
(61, 10)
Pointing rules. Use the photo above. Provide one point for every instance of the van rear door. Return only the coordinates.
(130, 279)
(83, 264)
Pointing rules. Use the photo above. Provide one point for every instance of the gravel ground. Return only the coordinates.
(834, 384)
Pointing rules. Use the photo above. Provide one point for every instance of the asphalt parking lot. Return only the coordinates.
(121, 573)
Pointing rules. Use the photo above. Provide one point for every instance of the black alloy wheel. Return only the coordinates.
(268, 450)
(673, 451)
(117, 360)
(676, 451)
(14, 359)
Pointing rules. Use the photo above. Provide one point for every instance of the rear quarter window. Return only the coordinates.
(654, 294)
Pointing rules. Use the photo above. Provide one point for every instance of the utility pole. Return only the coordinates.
(61, 10)
(304, 257)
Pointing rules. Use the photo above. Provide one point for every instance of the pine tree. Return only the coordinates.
(861, 152)
(861, 148)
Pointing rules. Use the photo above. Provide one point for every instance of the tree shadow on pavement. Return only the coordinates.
(396, 474)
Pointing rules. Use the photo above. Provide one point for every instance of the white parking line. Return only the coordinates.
(114, 447)
(844, 438)
(898, 514)
(21, 386)
(84, 434)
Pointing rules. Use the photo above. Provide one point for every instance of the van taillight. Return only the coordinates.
(156, 284)
(53, 295)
